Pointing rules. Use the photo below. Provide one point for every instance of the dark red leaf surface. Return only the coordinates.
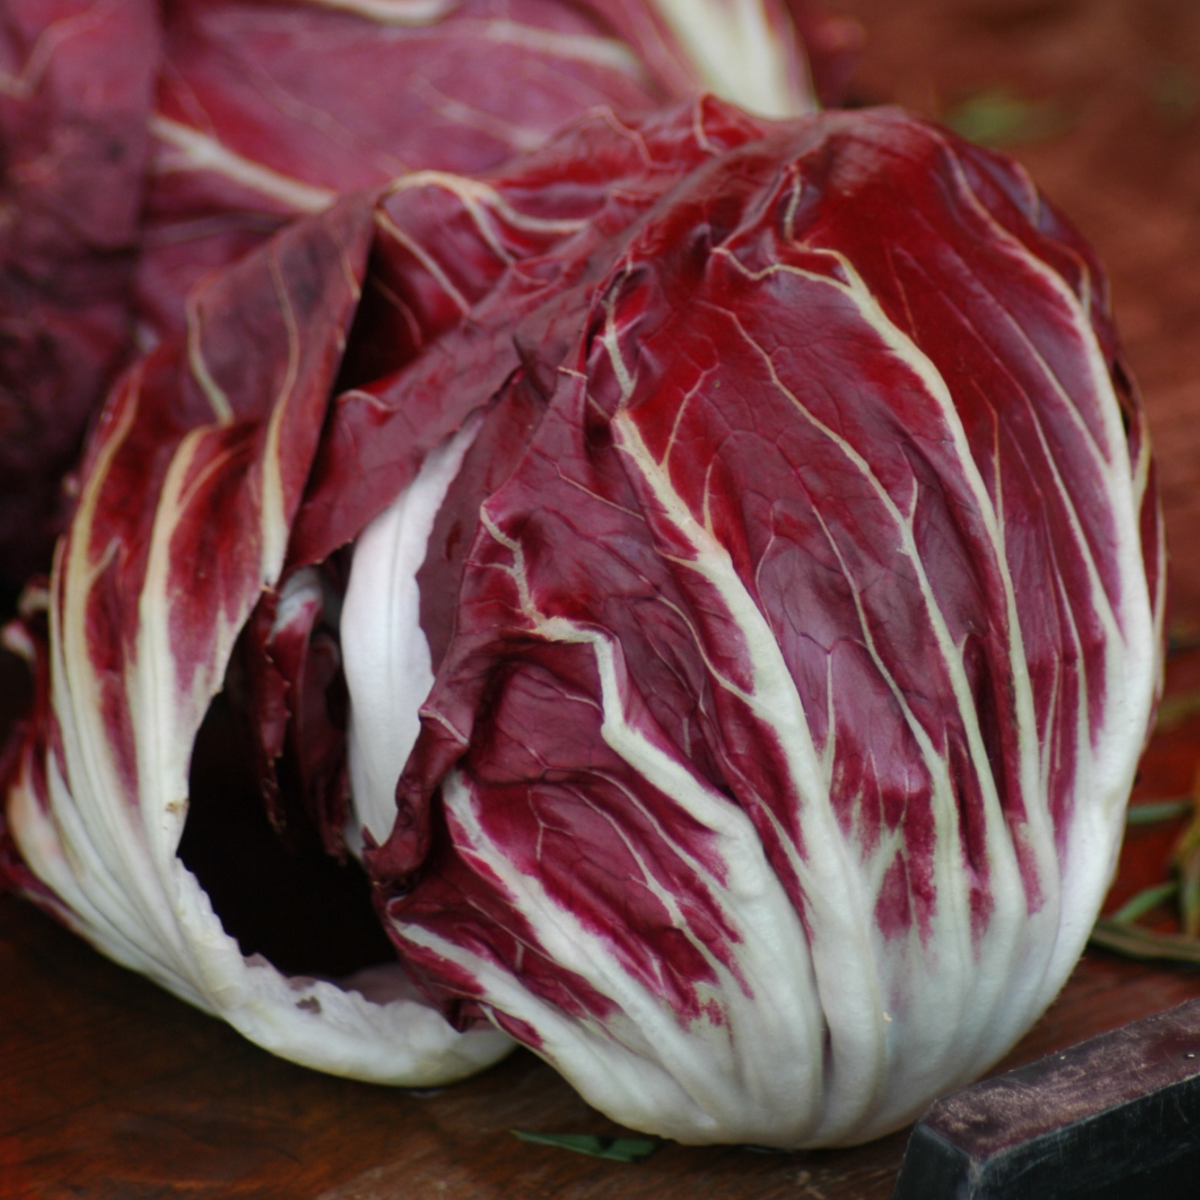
(266, 110)
(147, 146)
(471, 281)
(76, 90)
(793, 609)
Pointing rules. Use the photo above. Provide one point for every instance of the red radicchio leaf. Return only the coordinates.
(472, 279)
(755, 591)
(774, 767)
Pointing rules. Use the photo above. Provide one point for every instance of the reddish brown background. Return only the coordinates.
(112, 1089)
(1120, 82)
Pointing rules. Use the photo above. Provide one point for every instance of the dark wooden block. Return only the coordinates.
(1117, 1116)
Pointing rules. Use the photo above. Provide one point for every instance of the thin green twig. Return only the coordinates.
(1135, 942)
(615, 1149)
(1154, 811)
(1144, 902)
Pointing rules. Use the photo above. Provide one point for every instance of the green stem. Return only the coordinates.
(1154, 811)
(1144, 902)
(1135, 942)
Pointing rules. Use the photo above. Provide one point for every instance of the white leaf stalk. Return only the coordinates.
(384, 650)
(738, 52)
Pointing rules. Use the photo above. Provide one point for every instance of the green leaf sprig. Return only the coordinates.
(615, 1149)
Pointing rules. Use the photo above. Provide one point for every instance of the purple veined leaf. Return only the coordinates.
(267, 110)
(188, 494)
(503, 250)
(775, 762)
(498, 242)
(76, 91)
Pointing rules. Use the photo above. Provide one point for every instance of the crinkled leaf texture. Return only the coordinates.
(774, 764)
(147, 145)
(217, 491)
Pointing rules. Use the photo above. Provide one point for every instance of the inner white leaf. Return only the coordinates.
(385, 652)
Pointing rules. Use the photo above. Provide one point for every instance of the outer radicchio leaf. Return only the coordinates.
(76, 89)
(267, 109)
(775, 768)
(187, 498)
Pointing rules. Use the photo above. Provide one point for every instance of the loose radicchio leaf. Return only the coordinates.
(267, 110)
(251, 112)
(76, 89)
(188, 494)
(774, 769)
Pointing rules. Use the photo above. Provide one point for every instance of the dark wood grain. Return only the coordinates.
(113, 1090)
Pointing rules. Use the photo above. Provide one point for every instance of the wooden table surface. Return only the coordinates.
(112, 1089)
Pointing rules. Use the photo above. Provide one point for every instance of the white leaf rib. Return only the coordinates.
(22, 85)
(1071, 303)
(435, 269)
(482, 203)
(202, 152)
(951, 653)
(673, 1063)
(736, 54)
(385, 653)
(907, 352)
(274, 517)
(825, 874)
(111, 855)
(96, 818)
(392, 12)
(213, 392)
